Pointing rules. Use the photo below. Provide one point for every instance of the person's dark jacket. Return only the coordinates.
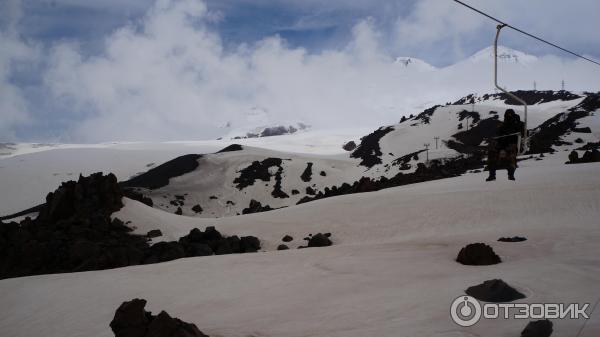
(510, 126)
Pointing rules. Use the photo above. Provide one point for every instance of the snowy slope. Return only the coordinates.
(214, 185)
(391, 271)
(392, 150)
(29, 171)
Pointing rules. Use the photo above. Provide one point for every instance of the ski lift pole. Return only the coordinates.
(515, 97)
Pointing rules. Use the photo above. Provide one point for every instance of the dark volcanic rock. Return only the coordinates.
(513, 239)
(295, 192)
(495, 291)
(582, 130)
(473, 137)
(323, 174)
(437, 169)
(534, 96)
(256, 207)
(179, 211)
(131, 320)
(258, 170)
(73, 232)
(551, 131)
(350, 146)
(160, 175)
(164, 251)
(231, 148)
(369, 150)
(478, 254)
(404, 161)
(590, 156)
(425, 116)
(197, 208)
(249, 244)
(287, 238)
(138, 196)
(319, 240)
(154, 233)
(307, 174)
(473, 115)
(542, 328)
(277, 191)
(282, 247)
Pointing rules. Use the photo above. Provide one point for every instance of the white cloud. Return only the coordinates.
(13, 105)
(169, 77)
(572, 24)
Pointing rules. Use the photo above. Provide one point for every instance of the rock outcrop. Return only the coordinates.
(131, 320)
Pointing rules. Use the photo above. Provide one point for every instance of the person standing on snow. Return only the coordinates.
(503, 150)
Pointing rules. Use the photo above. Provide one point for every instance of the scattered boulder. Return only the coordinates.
(541, 328)
(131, 320)
(295, 192)
(323, 174)
(287, 238)
(256, 207)
(307, 174)
(495, 291)
(512, 239)
(351, 145)
(282, 247)
(249, 244)
(179, 211)
(319, 240)
(154, 233)
(590, 156)
(477, 254)
(197, 209)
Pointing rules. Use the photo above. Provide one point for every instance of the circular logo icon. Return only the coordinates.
(465, 311)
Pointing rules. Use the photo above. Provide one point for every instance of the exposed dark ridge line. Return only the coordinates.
(159, 176)
(22, 213)
(231, 148)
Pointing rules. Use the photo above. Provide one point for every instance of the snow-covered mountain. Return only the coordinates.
(505, 55)
(392, 264)
(243, 179)
(414, 64)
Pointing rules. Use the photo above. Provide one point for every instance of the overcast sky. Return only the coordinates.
(82, 70)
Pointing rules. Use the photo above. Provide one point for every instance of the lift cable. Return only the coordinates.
(528, 34)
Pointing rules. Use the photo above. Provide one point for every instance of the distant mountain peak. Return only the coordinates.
(413, 63)
(505, 54)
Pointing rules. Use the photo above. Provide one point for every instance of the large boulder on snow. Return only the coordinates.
(131, 320)
(319, 240)
(477, 254)
(495, 291)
